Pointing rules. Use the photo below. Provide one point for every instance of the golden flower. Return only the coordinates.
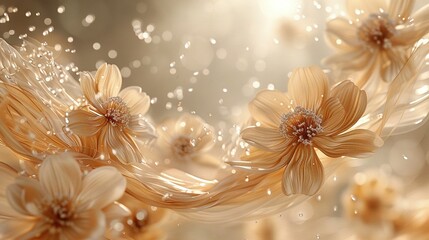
(62, 203)
(377, 38)
(289, 126)
(143, 223)
(114, 117)
(372, 199)
(187, 138)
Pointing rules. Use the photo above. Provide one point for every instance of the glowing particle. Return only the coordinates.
(47, 21)
(125, 72)
(96, 46)
(61, 9)
(112, 54)
(150, 28)
(167, 36)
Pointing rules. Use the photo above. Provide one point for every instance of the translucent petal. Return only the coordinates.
(355, 143)
(109, 81)
(308, 87)
(85, 123)
(100, 188)
(400, 9)
(265, 138)
(304, 174)
(333, 115)
(346, 31)
(361, 9)
(268, 106)
(353, 101)
(60, 176)
(137, 101)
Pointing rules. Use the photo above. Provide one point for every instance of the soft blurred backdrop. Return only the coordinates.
(209, 57)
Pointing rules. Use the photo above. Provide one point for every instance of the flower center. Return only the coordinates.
(376, 31)
(58, 213)
(301, 125)
(183, 146)
(117, 112)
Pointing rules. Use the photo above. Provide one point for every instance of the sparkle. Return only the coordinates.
(376, 31)
(301, 125)
(117, 112)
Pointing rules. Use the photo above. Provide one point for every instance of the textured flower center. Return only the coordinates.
(58, 214)
(376, 31)
(183, 146)
(301, 125)
(117, 112)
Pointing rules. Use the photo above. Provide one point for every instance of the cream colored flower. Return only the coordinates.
(62, 203)
(114, 117)
(372, 199)
(289, 126)
(144, 222)
(187, 138)
(377, 38)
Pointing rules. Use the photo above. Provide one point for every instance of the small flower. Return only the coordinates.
(114, 117)
(61, 203)
(372, 199)
(187, 138)
(377, 38)
(143, 223)
(289, 126)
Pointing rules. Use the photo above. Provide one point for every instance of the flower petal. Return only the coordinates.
(100, 188)
(355, 143)
(400, 9)
(22, 194)
(353, 100)
(85, 123)
(308, 87)
(7, 176)
(120, 145)
(140, 129)
(304, 174)
(393, 60)
(86, 225)
(410, 32)
(359, 10)
(333, 115)
(60, 176)
(116, 211)
(109, 81)
(268, 106)
(89, 89)
(15, 228)
(256, 159)
(268, 139)
(137, 101)
(343, 29)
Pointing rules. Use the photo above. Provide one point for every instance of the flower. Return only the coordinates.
(377, 38)
(114, 117)
(62, 203)
(371, 199)
(289, 126)
(187, 138)
(143, 223)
